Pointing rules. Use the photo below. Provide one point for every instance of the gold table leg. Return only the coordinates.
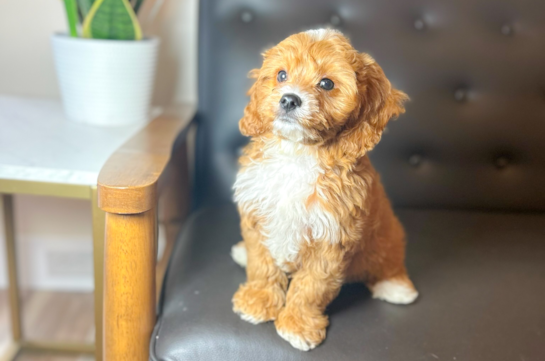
(98, 260)
(19, 344)
(11, 255)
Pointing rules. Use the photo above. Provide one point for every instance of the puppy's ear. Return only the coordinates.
(251, 124)
(378, 103)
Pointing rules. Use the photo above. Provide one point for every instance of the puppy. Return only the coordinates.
(314, 213)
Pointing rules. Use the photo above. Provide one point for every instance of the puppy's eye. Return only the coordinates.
(282, 76)
(326, 84)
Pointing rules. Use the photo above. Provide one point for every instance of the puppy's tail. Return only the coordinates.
(238, 253)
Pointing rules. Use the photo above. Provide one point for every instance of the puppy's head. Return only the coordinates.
(315, 88)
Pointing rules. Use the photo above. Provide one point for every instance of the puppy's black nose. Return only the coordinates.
(290, 101)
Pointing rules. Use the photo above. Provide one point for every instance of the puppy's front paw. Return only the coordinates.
(304, 330)
(257, 304)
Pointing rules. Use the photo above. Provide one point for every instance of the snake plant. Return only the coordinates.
(105, 19)
(84, 7)
(71, 14)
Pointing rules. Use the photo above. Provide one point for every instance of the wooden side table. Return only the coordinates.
(41, 153)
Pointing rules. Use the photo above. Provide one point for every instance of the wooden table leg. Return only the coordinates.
(98, 263)
(129, 289)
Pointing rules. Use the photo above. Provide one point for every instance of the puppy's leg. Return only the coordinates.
(381, 265)
(263, 295)
(302, 322)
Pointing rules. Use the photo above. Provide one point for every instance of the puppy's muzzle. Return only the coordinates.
(289, 102)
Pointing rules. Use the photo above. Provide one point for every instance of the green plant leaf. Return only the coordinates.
(72, 16)
(85, 6)
(112, 19)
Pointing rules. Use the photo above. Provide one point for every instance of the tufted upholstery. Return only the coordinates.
(473, 133)
(472, 139)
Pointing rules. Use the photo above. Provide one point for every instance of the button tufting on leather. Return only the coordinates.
(507, 30)
(246, 16)
(419, 24)
(460, 95)
(427, 50)
(501, 162)
(335, 20)
(415, 160)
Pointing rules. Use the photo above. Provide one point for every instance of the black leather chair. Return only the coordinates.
(465, 168)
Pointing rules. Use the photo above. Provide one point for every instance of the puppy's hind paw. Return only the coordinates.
(238, 253)
(399, 291)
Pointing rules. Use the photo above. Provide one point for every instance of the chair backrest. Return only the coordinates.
(474, 133)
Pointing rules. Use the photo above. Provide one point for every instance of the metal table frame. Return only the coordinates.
(8, 188)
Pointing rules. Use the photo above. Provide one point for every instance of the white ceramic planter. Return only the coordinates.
(105, 82)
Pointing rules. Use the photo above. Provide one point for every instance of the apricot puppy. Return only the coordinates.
(314, 214)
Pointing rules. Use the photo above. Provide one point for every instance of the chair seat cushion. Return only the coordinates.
(481, 278)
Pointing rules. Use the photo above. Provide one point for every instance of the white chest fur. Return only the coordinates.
(277, 188)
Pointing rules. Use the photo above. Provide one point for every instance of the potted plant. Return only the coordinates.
(105, 68)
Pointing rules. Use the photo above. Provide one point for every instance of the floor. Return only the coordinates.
(51, 316)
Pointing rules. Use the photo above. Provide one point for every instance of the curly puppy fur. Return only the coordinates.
(314, 214)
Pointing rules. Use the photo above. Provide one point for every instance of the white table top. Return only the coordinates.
(37, 143)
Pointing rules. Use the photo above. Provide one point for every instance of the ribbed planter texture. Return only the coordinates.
(105, 82)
